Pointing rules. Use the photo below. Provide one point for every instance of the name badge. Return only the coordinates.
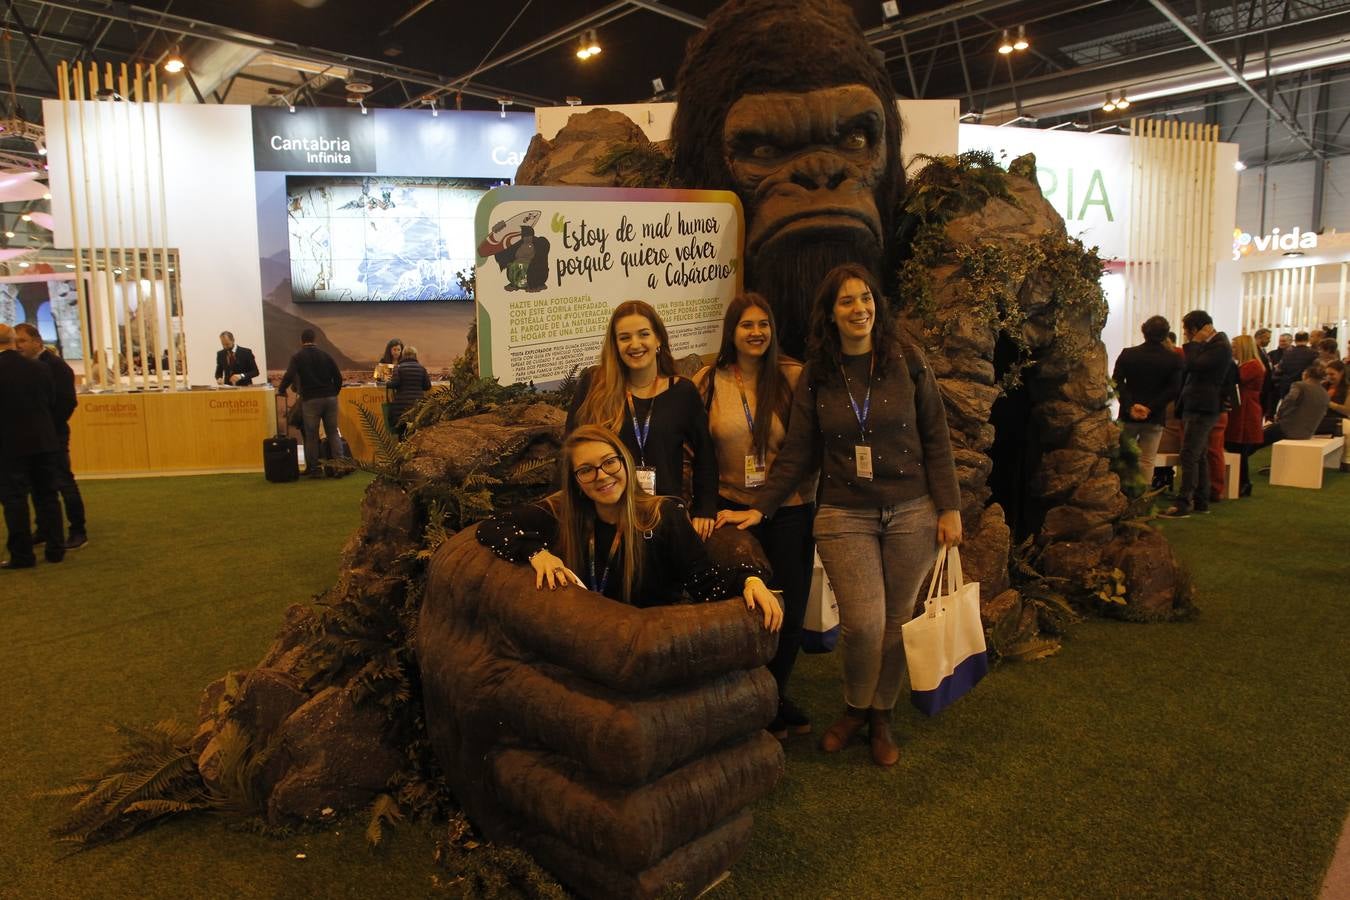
(646, 478)
(755, 470)
(862, 461)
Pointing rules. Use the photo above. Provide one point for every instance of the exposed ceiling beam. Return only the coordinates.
(143, 17)
(670, 13)
(32, 42)
(1293, 127)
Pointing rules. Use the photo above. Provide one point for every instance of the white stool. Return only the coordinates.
(1232, 466)
(1301, 463)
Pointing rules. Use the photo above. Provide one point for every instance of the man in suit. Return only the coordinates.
(1209, 357)
(28, 341)
(28, 456)
(1289, 370)
(234, 365)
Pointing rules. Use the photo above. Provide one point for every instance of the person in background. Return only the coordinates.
(1286, 341)
(28, 341)
(234, 364)
(318, 381)
(1243, 434)
(598, 531)
(748, 392)
(1262, 339)
(1302, 409)
(634, 392)
(868, 415)
(1326, 351)
(408, 383)
(384, 369)
(1148, 377)
(1209, 357)
(28, 457)
(1230, 399)
(393, 352)
(1295, 359)
(1347, 352)
(1338, 410)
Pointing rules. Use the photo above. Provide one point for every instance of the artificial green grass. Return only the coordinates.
(1206, 758)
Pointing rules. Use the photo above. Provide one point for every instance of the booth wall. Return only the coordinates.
(1288, 192)
(211, 215)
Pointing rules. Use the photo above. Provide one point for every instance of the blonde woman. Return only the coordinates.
(634, 392)
(1242, 434)
(598, 532)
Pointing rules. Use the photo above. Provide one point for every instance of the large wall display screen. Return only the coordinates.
(380, 238)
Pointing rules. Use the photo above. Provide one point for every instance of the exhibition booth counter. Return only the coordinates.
(372, 397)
(171, 433)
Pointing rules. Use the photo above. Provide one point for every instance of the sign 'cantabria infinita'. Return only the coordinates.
(553, 263)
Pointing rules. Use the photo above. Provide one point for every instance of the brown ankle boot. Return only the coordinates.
(885, 752)
(841, 733)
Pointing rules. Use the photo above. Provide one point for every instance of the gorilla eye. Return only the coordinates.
(764, 151)
(854, 140)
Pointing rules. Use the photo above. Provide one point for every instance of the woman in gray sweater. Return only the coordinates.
(868, 414)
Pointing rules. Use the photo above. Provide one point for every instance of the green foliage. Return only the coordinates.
(154, 775)
(479, 870)
(949, 186)
(635, 165)
(383, 811)
(1125, 464)
(465, 394)
(390, 452)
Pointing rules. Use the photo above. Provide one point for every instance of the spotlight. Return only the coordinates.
(583, 49)
(890, 9)
(1122, 102)
(1109, 105)
(573, 101)
(594, 45)
(290, 107)
(1021, 42)
(24, 265)
(70, 265)
(26, 217)
(1239, 166)
(431, 102)
(47, 196)
(658, 85)
(504, 102)
(1005, 46)
(41, 148)
(174, 64)
(362, 104)
(9, 234)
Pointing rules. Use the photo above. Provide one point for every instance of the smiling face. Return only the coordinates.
(591, 465)
(753, 333)
(636, 342)
(854, 314)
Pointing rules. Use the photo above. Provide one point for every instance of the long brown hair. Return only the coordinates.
(772, 392)
(575, 511)
(823, 348)
(604, 403)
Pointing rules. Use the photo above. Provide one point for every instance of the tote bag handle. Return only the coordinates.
(948, 563)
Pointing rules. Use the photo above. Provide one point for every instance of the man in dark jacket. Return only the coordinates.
(234, 364)
(1294, 360)
(1209, 357)
(408, 383)
(28, 449)
(1147, 377)
(28, 341)
(318, 381)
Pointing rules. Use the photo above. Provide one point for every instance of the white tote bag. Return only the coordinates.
(820, 629)
(944, 646)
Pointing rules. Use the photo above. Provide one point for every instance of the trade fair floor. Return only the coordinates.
(1207, 758)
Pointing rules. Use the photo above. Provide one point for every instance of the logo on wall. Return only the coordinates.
(1244, 244)
(312, 140)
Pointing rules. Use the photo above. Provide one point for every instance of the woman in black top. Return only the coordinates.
(634, 392)
(393, 352)
(407, 385)
(867, 412)
(599, 533)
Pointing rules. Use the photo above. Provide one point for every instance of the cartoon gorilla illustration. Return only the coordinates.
(525, 262)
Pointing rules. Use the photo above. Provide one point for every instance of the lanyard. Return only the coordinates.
(745, 404)
(599, 586)
(641, 431)
(861, 414)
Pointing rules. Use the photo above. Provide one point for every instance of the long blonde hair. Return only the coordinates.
(605, 398)
(1244, 348)
(575, 511)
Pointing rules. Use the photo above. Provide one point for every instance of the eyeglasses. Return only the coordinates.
(610, 466)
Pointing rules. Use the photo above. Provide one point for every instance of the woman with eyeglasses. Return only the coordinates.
(634, 392)
(867, 413)
(599, 533)
(748, 392)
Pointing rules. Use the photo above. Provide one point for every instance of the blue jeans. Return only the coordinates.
(325, 409)
(876, 559)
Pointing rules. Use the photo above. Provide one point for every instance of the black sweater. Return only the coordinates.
(906, 430)
(313, 373)
(1148, 374)
(677, 565)
(678, 418)
(409, 382)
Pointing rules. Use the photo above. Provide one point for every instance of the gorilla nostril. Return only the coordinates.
(801, 179)
(835, 180)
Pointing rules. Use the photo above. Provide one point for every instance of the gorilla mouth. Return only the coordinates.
(833, 218)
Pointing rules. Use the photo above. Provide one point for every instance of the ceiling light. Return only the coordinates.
(1021, 42)
(594, 45)
(890, 9)
(359, 87)
(290, 107)
(26, 217)
(573, 101)
(1005, 46)
(1239, 166)
(1109, 105)
(47, 196)
(70, 265)
(1122, 102)
(504, 102)
(174, 64)
(24, 265)
(9, 234)
(583, 49)
(363, 107)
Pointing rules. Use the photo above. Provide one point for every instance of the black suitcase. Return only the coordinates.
(281, 463)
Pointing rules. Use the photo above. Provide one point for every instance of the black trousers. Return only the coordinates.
(21, 477)
(790, 548)
(69, 490)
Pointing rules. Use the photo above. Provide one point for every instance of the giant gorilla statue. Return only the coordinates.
(785, 102)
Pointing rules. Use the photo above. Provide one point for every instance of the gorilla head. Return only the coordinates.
(786, 103)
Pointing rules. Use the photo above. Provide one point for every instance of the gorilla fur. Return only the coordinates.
(763, 46)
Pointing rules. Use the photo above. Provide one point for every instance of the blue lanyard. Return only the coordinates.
(641, 431)
(745, 404)
(599, 586)
(861, 414)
